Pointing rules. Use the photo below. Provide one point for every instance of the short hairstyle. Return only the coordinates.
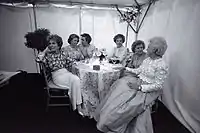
(119, 36)
(71, 37)
(57, 39)
(87, 37)
(160, 47)
(136, 43)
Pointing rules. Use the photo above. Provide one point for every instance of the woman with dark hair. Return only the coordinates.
(126, 108)
(60, 64)
(120, 52)
(73, 50)
(85, 47)
(138, 54)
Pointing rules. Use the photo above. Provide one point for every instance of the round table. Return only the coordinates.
(95, 84)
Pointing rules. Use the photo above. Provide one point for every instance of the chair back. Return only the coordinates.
(56, 95)
(46, 73)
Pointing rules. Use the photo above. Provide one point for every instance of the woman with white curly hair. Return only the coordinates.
(126, 108)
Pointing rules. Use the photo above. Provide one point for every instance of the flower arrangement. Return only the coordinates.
(101, 54)
(130, 15)
(37, 39)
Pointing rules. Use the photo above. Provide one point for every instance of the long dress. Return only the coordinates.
(126, 109)
(60, 65)
(120, 53)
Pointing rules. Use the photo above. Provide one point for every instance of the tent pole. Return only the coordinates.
(34, 16)
(136, 36)
(127, 35)
(144, 16)
(80, 21)
(81, 3)
(126, 21)
(38, 67)
(138, 5)
(137, 25)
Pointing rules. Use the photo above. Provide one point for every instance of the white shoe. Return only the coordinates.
(81, 113)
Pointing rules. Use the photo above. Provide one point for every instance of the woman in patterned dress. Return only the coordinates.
(60, 64)
(73, 50)
(138, 54)
(85, 47)
(137, 57)
(126, 108)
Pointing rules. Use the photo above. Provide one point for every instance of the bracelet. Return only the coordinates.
(140, 88)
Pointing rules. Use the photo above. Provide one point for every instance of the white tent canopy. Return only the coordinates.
(123, 3)
(176, 20)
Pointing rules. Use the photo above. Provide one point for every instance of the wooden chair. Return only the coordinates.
(54, 92)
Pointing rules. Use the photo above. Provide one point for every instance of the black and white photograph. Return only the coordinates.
(99, 66)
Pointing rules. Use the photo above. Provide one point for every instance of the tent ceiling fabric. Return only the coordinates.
(117, 2)
(98, 2)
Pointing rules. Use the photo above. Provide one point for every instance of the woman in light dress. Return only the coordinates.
(59, 64)
(126, 108)
(120, 52)
(73, 50)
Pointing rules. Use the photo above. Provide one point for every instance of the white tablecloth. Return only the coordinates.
(95, 83)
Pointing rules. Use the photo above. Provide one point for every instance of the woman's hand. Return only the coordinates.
(128, 69)
(47, 50)
(41, 55)
(114, 60)
(135, 86)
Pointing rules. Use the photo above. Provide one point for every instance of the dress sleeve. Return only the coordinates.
(41, 57)
(136, 71)
(92, 51)
(160, 76)
(113, 52)
(69, 62)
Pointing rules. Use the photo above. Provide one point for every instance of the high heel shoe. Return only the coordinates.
(80, 110)
(81, 113)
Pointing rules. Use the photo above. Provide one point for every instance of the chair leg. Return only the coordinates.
(154, 108)
(70, 106)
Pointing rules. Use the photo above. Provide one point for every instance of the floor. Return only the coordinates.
(23, 111)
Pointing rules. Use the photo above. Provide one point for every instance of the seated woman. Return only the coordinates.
(126, 108)
(138, 54)
(85, 47)
(60, 66)
(120, 52)
(73, 50)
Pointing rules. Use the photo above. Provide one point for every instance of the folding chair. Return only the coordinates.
(54, 92)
